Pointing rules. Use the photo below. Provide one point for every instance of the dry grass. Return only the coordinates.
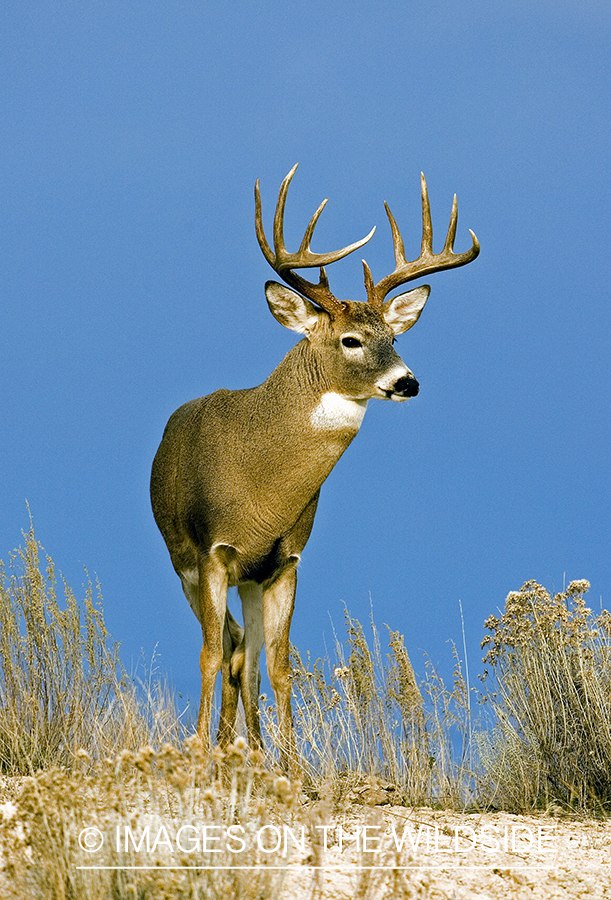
(67, 704)
(367, 732)
(176, 824)
(549, 687)
(62, 686)
(364, 716)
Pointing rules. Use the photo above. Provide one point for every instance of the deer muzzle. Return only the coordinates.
(406, 386)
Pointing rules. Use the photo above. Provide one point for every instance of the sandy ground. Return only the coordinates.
(463, 856)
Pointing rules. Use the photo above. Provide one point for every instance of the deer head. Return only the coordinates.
(356, 337)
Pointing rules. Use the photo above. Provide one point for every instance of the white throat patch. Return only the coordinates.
(335, 412)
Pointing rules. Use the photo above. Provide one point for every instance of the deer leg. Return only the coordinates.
(247, 658)
(213, 580)
(278, 604)
(233, 637)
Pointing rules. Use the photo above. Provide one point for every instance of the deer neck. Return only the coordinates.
(302, 383)
(309, 426)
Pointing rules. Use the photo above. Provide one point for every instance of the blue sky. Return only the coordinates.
(131, 282)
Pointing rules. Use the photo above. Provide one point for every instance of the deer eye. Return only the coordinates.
(351, 342)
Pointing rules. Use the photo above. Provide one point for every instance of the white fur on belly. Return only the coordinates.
(335, 411)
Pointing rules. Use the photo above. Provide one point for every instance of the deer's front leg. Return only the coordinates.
(278, 604)
(213, 581)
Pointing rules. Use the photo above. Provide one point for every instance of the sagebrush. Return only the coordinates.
(549, 686)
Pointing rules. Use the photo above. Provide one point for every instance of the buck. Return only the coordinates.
(236, 479)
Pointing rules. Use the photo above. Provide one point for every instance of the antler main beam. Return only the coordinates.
(284, 262)
(428, 261)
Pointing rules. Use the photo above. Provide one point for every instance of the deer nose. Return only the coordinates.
(407, 386)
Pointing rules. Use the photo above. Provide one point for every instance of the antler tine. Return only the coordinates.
(369, 285)
(267, 251)
(304, 247)
(451, 235)
(279, 214)
(396, 237)
(428, 261)
(427, 225)
(284, 262)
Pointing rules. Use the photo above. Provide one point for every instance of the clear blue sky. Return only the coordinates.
(131, 282)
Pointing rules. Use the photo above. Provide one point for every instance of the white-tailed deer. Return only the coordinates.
(236, 479)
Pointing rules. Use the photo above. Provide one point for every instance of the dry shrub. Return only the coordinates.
(549, 687)
(62, 686)
(112, 829)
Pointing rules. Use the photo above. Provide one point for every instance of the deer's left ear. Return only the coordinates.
(404, 311)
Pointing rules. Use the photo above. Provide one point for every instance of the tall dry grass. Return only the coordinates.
(62, 685)
(364, 716)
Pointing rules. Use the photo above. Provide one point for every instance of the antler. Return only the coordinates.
(284, 263)
(427, 262)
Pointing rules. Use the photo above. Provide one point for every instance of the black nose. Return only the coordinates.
(406, 386)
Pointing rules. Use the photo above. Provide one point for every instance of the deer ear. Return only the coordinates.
(291, 309)
(404, 311)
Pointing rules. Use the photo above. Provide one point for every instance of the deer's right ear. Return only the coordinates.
(291, 309)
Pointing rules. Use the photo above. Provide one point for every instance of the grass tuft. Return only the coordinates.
(62, 685)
